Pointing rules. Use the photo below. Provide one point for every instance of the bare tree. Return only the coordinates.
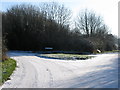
(56, 12)
(90, 24)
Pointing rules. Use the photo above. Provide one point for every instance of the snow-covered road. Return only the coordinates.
(36, 72)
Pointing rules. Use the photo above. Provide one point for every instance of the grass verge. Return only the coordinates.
(66, 56)
(8, 66)
(113, 51)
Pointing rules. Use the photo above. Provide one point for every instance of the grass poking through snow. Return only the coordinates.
(66, 56)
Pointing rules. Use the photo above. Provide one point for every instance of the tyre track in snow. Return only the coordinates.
(24, 75)
(36, 72)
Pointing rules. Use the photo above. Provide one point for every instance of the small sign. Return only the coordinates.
(48, 48)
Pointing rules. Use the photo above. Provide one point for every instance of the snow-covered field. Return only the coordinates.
(36, 72)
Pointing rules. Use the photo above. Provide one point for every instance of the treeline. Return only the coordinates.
(28, 27)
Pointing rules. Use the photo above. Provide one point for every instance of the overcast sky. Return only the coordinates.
(108, 9)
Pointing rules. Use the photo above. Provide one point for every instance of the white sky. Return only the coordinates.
(108, 9)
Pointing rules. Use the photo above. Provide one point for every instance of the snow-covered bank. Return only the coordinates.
(36, 72)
